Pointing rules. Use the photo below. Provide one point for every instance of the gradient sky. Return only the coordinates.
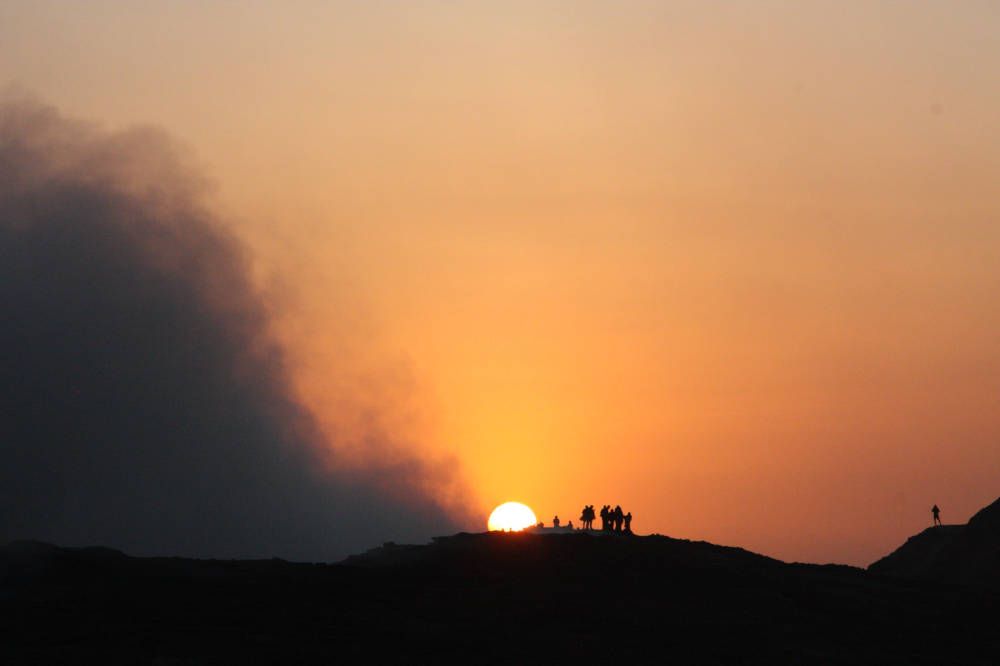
(732, 265)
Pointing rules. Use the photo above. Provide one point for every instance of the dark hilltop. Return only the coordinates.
(967, 554)
(504, 598)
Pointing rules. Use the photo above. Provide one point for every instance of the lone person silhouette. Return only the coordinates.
(628, 523)
(937, 515)
(555, 522)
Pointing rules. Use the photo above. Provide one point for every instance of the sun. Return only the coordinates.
(511, 517)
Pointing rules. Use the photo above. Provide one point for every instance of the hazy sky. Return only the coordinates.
(732, 265)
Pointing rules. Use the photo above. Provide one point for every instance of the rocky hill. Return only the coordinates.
(484, 598)
(968, 554)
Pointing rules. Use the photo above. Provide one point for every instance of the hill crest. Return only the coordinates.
(967, 553)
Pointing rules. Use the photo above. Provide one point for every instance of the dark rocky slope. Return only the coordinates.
(967, 554)
(484, 598)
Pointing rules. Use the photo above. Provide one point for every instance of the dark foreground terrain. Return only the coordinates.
(968, 554)
(484, 598)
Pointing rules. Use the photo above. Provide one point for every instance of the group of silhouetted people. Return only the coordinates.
(612, 520)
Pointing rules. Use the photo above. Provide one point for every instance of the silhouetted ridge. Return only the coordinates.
(483, 598)
(987, 518)
(917, 556)
(571, 554)
(955, 553)
(29, 548)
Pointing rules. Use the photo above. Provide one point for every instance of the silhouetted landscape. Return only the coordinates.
(955, 553)
(510, 598)
(281, 282)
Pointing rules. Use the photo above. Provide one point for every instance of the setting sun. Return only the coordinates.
(511, 517)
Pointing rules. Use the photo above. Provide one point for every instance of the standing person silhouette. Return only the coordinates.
(937, 515)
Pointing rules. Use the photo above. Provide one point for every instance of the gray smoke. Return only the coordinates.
(144, 405)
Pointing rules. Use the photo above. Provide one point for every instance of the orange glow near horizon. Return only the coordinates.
(733, 266)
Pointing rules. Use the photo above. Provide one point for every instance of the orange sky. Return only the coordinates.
(732, 265)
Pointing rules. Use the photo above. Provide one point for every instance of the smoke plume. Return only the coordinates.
(144, 404)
